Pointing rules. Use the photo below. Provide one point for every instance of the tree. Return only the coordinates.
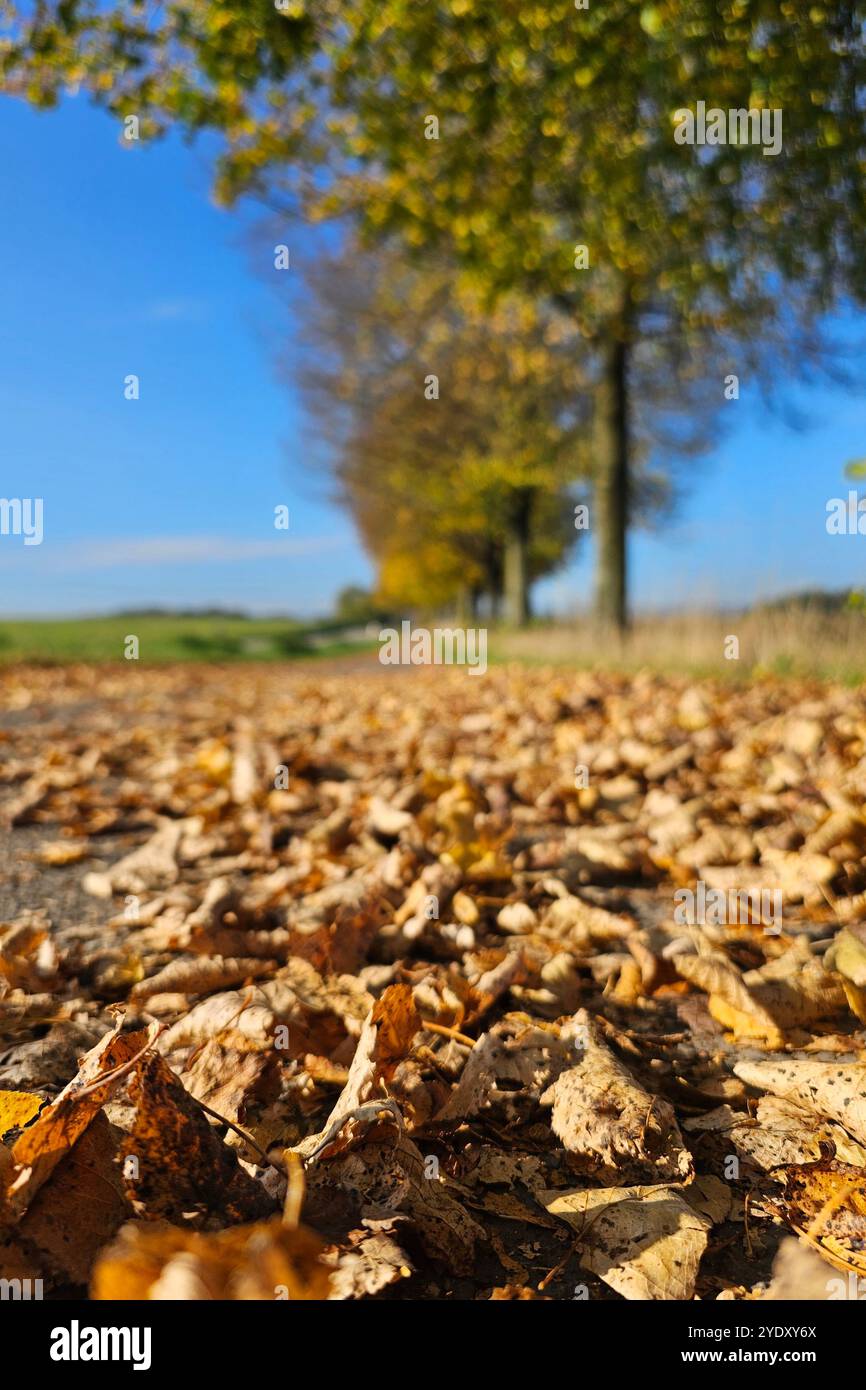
(454, 434)
(355, 605)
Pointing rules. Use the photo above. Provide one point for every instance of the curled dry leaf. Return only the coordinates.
(571, 919)
(796, 990)
(200, 976)
(778, 1133)
(611, 1126)
(847, 956)
(384, 1042)
(784, 994)
(153, 864)
(62, 852)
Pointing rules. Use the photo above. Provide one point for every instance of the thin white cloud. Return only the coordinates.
(174, 310)
(79, 556)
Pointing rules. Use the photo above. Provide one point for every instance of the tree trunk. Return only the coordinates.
(493, 568)
(516, 578)
(611, 487)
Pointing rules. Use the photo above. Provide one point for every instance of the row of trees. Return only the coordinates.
(555, 132)
(460, 431)
(456, 435)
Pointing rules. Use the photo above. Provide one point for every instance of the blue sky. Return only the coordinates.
(115, 261)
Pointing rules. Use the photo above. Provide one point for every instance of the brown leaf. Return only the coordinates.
(825, 1203)
(227, 1080)
(173, 1163)
(49, 1139)
(74, 1215)
(373, 1261)
(196, 975)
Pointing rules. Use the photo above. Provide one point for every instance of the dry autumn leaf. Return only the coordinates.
(266, 1260)
(837, 1090)
(174, 1165)
(609, 1124)
(825, 1204)
(645, 1242)
(38, 1150)
(17, 1109)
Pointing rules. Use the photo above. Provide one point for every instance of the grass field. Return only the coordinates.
(803, 640)
(168, 637)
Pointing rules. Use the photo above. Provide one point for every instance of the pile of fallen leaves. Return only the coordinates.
(364, 983)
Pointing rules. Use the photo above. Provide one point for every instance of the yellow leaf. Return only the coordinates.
(17, 1109)
(60, 852)
(263, 1261)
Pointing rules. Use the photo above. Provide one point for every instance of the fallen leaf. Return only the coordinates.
(645, 1242)
(606, 1120)
(265, 1261)
(838, 1091)
(174, 1165)
(825, 1203)
(17, 1109)
(38, 1150)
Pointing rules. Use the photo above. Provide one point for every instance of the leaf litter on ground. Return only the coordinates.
(335, 985)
